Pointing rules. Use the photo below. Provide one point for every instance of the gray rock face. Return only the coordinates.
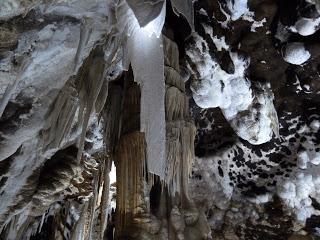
(252, 85)
(38, 63)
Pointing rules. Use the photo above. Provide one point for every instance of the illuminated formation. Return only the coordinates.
(159, 119)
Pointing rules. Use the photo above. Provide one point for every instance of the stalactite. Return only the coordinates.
(149, 110)
(175, 216)
(85, 31)
(130, 176)
(180, 128)
(187, 221)
(91, 80)
(60, 118)
(146, 43)
(130, 161)
(111, 115)
(55, 178)
(11, 230)
(82, 89)
(78, 233)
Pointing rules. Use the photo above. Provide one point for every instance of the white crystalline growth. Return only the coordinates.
(214, 87)
(237, 8)
(295, 53)
(257, 24)
(308, 156)
(218, 88)
(306, 26)
(303, 160)
(315, 125)
(296, 193)
(220, 43)
(260, 122)
(214, 189)
(314, 158)
(249, 16)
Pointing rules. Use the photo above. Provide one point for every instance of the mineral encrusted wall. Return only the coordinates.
(240, 77)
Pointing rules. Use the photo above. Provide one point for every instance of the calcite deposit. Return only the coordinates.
(159, 119)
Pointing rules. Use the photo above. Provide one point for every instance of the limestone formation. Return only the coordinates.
(159, 119)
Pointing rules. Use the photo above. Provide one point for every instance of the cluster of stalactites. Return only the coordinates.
(139, 161)
(175, 214)
(180, 130)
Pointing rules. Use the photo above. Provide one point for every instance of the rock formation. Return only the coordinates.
(159, 119)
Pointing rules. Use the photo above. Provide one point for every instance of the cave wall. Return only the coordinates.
(239, 79)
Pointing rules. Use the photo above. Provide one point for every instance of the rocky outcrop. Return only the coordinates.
(159, 119)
